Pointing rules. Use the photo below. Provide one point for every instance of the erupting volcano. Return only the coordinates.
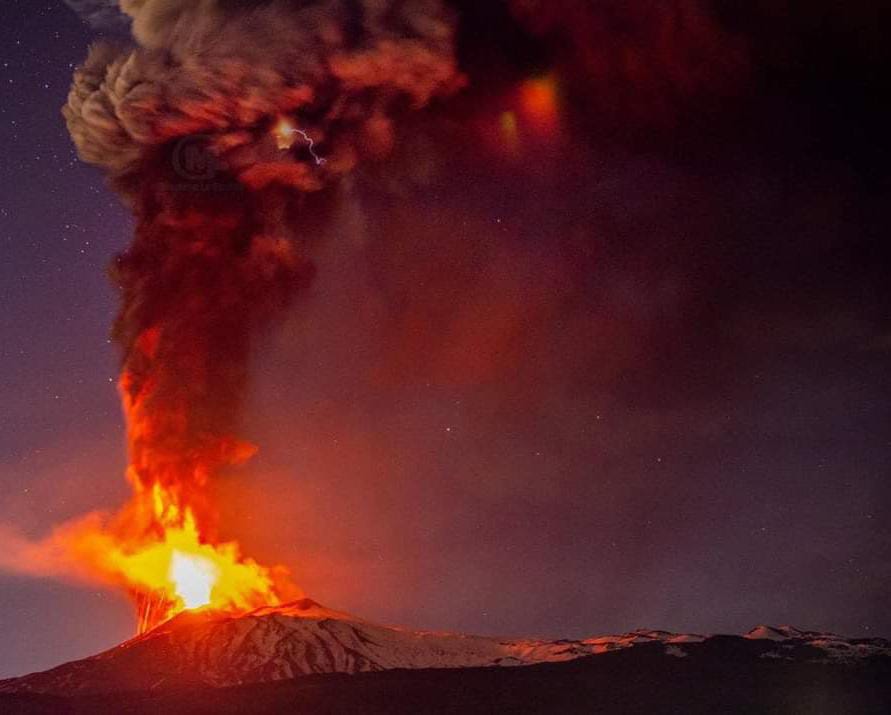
(213, 129)
(529, 321)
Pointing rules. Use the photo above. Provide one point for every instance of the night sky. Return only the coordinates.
(604, 344)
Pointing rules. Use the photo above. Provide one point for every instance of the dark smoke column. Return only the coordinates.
(211, 128)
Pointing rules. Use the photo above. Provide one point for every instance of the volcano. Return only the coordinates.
(224, 658)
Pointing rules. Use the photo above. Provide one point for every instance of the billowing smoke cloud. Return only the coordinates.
(229, 70)
(214, 128)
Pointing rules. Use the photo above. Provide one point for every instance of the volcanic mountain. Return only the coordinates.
(222, 655)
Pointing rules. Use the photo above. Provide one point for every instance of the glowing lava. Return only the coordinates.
(194, 578)
(178, 570)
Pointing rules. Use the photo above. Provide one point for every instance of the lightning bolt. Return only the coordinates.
(320, 161)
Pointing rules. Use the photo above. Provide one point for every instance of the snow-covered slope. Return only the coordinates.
(304, 637)
(833, 646)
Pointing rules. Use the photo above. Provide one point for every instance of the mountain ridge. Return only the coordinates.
(208, 649)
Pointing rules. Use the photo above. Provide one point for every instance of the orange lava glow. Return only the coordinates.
(154, 550)
(178, 570)
(161, 548)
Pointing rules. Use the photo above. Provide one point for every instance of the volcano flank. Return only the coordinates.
(202, 657)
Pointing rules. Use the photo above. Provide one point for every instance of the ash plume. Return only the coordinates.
(212, 128)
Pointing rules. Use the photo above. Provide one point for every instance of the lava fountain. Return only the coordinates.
(213, 128)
